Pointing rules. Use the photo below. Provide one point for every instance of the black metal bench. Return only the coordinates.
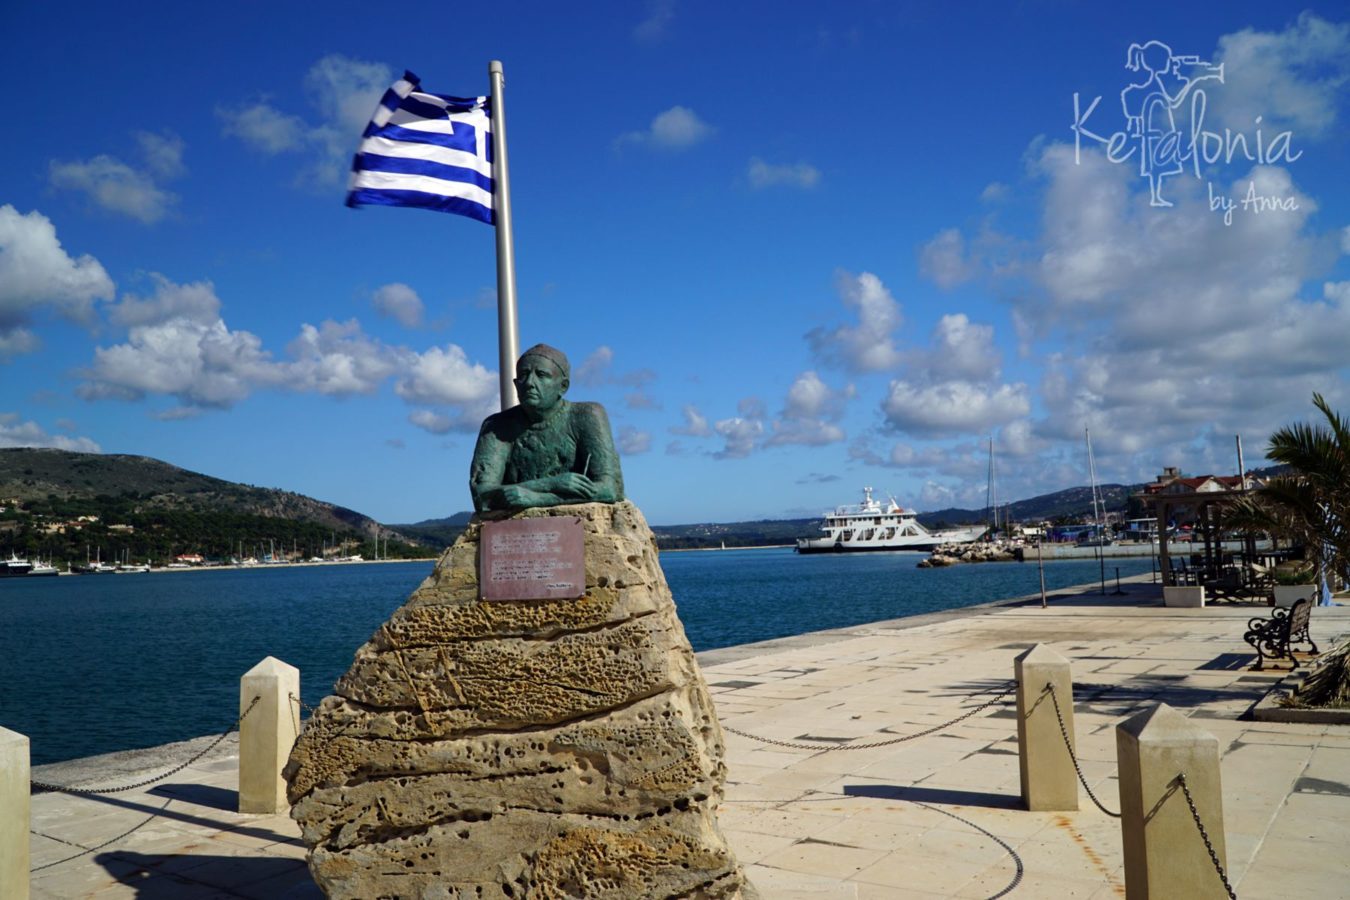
(1275, 637)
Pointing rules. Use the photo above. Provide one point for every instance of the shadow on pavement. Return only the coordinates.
(160, 876)
(950, 796)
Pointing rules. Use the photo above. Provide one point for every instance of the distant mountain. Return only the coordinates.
(69, 507)
(439, 533)
(1070, 502)
(39, 475)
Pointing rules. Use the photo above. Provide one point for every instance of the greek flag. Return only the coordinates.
(426, 150)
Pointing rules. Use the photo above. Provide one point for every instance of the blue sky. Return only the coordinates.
(793, 249)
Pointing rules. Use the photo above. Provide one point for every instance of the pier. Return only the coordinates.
(933, 808)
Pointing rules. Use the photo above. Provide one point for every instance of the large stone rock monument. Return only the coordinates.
(519, 727)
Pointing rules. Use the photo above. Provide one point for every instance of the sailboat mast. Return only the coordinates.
(1092, 477)
(990, 502)
(993, 481)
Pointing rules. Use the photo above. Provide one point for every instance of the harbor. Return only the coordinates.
(939, 816)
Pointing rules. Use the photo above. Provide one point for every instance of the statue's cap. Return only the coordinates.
(553, 355)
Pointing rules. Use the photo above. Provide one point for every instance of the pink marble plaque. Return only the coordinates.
(532, 559)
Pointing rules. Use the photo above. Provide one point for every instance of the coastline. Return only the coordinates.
(160, 570)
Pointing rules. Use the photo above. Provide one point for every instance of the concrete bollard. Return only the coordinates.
(14, 814)
(267, 734)
(1165, 856)
(1048, 778)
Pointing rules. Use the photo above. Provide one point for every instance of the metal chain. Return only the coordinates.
(42, 786)
(304, 707)
(1204, 835)
(1068, 745)
(797, 745)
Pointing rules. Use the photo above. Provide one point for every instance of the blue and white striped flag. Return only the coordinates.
(426, 150)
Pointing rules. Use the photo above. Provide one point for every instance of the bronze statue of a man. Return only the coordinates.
(545, 451)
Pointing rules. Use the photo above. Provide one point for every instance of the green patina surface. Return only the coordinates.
(546, 451)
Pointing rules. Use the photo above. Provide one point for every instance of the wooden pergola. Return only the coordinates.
(1206, 498)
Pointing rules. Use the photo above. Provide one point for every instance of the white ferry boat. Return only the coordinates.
(871, 526)
(14, 566)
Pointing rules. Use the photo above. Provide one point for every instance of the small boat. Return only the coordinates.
(871, 526)
(14, 567)
(128, 568)
(41, 568)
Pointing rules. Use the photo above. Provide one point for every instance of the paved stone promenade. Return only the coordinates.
(937, 816)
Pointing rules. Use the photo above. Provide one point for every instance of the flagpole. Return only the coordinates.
(508, 338)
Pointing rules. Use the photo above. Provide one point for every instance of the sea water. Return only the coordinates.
(97, 663)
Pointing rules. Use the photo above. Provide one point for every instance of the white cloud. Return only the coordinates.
(633, 441)
(263, 127)
(936, 496)
(178, 346)
(695, 424)
(641, 400)
(445, 377)
(594, 369)
(201, 365)
(347, 90)
(115, 186)
(660, 13)
(344, 91)
(944, 259)
(677, 128)
(1293, 79)
(597, 370)
(1345, 240)
(953, 407)
(1185, 297)
(14, 433)
(196, 302)
(400, 303)
(811, 398)
(962, 350)
(811, 413)
(337, 359)
(1178, 329)
(431, 421)
(16, 342)
(741, 434)
(908, 456)
(36, 272)
(1105, 250)
(868, 346)
(800, 175)
(163, 153)
(124, 189)
(994, 192)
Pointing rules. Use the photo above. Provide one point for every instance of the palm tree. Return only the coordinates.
(1310, 505)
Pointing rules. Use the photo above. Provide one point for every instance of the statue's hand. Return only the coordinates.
(518, 497)
(575, 484)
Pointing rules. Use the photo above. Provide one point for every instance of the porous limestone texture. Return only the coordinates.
(522, 749)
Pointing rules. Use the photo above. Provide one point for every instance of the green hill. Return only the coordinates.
(436, 532)
(57, 503)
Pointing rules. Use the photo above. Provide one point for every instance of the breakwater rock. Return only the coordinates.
(951, 554)
(527, 749)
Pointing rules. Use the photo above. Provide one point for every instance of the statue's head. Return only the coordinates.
(542, 377)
